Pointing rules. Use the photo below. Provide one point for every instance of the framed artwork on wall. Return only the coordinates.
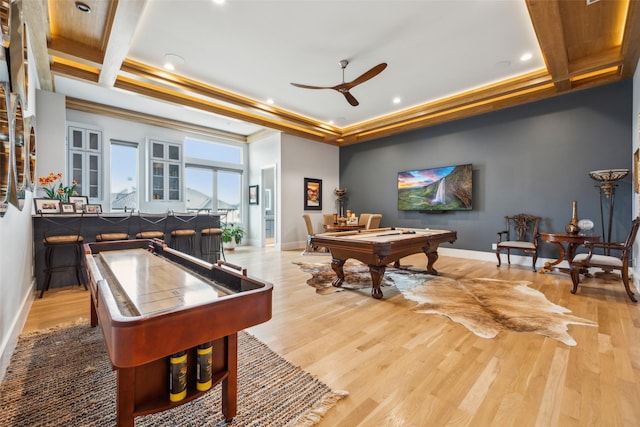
(253, 194)
(46, 206)
(312, 194)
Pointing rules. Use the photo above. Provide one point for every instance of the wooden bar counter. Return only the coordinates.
(151, 302)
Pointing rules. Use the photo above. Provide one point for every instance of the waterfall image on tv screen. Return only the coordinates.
(436, 189)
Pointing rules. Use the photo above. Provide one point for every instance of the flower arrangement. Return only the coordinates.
(53, 188)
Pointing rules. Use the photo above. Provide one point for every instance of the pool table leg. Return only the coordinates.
(377, 272)
(336, 265)
(432, 257)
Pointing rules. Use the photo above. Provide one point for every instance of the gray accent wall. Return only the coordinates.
(533, 158)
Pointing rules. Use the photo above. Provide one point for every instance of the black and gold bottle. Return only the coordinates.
(204, 356)
(178, 376)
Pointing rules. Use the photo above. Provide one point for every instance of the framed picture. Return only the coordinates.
(68, 208)
(47, 205)
(79, 202)
(636, 171)
(312, 194)
(253, 194)
(94, 209)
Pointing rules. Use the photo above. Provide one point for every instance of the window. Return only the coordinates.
(85, 160)
(210, 150)
(165, 168)
(201, 182)
(213, 177)
(124, 175)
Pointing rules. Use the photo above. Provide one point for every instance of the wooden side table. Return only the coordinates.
(572, 241)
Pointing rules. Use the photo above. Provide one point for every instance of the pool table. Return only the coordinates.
(379, 247)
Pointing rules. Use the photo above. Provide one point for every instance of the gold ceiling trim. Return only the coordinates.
(149, 119)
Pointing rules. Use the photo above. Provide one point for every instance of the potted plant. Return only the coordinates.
(232, 235)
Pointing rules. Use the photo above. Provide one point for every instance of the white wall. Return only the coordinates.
(301, 159)
(263, 153)
(51, 152)
(16, 276)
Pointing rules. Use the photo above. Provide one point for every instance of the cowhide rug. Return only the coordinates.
(484, 306)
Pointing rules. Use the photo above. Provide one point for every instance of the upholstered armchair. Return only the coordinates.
(521, 234)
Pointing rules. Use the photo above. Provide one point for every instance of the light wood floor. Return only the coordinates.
(402, 368)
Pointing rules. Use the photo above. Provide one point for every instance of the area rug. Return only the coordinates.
(63, 377)
(483, 306)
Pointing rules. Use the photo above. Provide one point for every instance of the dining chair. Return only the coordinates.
(608, 262)
(374, 221)
(520, 233)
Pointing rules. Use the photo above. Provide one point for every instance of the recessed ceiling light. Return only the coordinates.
(83, 7)
(525, 57)
(397, 100)
(330, 122)
(219, 1)
(171, 60)
(270, 101)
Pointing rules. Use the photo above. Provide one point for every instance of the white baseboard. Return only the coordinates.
(9, 344)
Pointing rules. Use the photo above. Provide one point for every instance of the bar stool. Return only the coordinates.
(114, 227)
(211, 238)
(151, 226)
(182, 231)
(60, 233)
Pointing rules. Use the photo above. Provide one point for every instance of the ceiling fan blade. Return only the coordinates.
(351, 99)
(367, 75)
(310, 87)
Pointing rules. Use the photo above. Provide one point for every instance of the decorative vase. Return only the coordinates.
(572, 227)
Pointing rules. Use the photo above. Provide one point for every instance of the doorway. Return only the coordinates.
(269, 206)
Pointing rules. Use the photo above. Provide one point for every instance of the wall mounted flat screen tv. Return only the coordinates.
(436, 189)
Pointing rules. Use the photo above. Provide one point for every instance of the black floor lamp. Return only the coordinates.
(608, 182)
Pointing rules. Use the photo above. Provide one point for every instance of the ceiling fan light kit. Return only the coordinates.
(344, 87)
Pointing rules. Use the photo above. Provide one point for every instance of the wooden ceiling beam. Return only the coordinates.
(547, 24)
(123, 22)
(35, 14)
(75, 72)
(630, 49)
(76, 52)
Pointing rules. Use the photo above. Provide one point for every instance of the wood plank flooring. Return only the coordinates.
(402, 368)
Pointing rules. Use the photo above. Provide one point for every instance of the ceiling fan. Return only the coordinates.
(344, 87)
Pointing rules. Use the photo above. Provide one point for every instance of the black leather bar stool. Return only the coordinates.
(182, 231)
(114, 227)
(61, 234)
(210, 238)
